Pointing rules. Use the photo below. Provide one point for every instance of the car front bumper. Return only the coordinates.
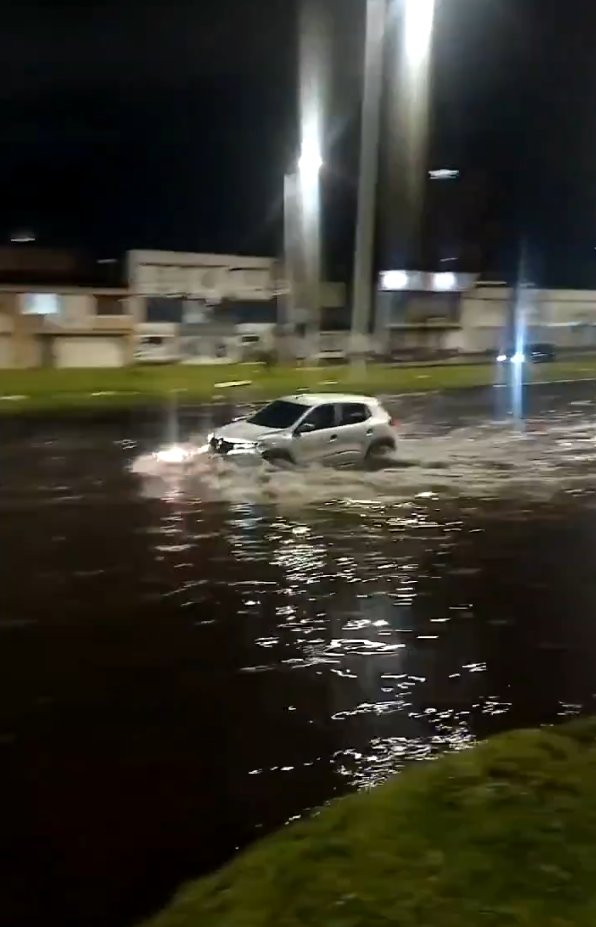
(224, 448)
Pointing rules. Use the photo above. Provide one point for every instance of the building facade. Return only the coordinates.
(201, 308)
(65, 327)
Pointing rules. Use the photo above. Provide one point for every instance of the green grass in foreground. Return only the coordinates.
(62, 389)
(503, 834)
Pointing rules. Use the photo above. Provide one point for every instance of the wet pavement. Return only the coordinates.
(189, 662)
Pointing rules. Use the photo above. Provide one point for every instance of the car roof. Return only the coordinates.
(316, 399)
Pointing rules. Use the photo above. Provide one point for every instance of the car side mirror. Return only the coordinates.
(305, 428)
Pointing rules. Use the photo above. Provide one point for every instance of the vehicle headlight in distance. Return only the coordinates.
(501, 358)
(518, 358)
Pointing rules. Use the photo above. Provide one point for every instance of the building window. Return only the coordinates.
(109, 305)
(41, 304)
(162, 310)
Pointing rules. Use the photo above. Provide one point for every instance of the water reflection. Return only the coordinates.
(197, 664)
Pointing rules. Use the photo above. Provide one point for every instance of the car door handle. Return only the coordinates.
(333, 438)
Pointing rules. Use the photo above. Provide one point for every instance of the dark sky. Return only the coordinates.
(170, 124)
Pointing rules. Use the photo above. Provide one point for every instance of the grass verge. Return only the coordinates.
(503, 834)
(27, 390)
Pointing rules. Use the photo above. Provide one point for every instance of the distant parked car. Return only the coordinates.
(532, 353)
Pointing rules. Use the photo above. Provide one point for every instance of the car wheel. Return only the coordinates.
(278, 458)
(379, 450)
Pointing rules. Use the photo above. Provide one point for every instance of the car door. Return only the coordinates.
(316, 437)
(352, 429)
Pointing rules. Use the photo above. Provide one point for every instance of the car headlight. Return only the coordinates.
(243, 447)
(518, 358)
(173, 455)
(501, 358)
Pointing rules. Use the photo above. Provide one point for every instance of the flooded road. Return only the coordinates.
(188, 663)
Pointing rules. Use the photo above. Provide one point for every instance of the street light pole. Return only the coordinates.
(408, 102)
(314, 86)
(291, 251)
(309, 182)
(376, 14)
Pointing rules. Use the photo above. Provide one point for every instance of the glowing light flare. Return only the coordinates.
(173, 455)
(444, 174)
(394, 280)
(445, 282)
(418, 29)
(310, 161)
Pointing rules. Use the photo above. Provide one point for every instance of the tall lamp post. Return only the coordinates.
(309, 170)
(408, 111)
(291, 263)
(362, 288)
(313, 92)
(399, 31)
(302, 248)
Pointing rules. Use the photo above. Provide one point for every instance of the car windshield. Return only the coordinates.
(278, 414)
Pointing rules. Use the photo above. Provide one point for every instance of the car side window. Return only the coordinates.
(320, 418)
(353, 413)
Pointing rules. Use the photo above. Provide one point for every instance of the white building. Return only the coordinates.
(471, 316)
(65, 327)
(201, 308)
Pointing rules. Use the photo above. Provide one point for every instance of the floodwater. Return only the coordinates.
(188, 662)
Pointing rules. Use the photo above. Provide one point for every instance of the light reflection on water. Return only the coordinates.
(202, 659)
(352, 551)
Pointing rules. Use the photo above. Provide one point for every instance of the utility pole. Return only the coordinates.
(313, 94)
(362, 290)
(291, 247)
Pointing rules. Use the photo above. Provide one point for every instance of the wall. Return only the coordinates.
(484, 318)
(565, 318)
(90, 351)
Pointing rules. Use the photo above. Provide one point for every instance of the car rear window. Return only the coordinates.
(321, 417)
(353, 413)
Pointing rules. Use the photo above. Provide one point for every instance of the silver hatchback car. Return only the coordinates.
(320, 428)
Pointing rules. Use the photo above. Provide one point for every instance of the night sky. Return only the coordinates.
(170, 125)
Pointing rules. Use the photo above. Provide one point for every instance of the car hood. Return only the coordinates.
(245, 431)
